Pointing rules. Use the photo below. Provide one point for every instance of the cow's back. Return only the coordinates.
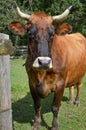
(72, 48)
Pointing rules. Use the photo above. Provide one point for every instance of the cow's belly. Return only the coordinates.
(73, 78)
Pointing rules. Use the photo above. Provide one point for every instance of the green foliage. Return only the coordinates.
(7, 13)
(51, 7)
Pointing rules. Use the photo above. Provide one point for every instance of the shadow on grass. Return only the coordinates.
(23, 109)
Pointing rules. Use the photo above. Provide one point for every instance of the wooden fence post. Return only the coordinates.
(5, 84)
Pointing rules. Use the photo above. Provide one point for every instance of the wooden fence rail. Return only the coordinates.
(5, 85)
(20, 52)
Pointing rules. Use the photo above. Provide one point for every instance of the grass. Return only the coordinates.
(70, 117)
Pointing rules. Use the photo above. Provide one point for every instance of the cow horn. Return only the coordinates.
(63, 15)
(21, 14)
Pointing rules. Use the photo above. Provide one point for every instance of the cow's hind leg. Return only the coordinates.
(55, 106)
(37, 107)
(77, 99)
(71, 95)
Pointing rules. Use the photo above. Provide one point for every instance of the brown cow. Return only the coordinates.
(55, 59)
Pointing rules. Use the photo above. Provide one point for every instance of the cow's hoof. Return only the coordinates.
(54, 128)
(77, 103)
(36, 126)
(70, 101)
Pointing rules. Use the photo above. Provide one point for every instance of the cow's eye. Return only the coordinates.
(33, 29)
(51, 32)
(31, 35)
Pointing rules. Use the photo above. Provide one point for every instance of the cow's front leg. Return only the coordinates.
(55, 107)
(37, 107)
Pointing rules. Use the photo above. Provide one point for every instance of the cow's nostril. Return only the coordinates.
(40, 62)
(44, 62)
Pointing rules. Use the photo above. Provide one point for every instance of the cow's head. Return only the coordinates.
(40, 32)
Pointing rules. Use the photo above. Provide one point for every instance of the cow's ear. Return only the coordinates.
(64, 28)
(17, 28)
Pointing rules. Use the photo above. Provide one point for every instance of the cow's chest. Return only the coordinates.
(46, 83)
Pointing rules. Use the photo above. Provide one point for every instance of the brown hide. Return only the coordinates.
(40, 18)
(69, 57)
(68, 53)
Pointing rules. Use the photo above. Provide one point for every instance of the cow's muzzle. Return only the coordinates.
(42, 63)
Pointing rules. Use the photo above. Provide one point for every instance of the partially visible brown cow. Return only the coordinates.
(55, 59)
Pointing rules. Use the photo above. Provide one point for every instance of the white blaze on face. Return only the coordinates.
(45, 60)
